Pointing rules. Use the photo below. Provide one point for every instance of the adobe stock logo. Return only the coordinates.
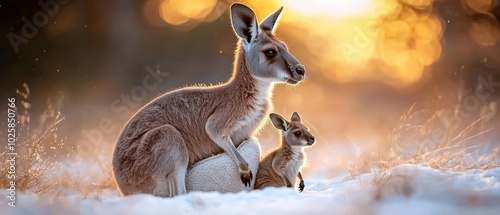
(50, 8)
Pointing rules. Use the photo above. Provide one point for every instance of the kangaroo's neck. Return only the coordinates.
(242, 81)
(294, 152)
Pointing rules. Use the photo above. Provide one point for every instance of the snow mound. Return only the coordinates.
(408, 189)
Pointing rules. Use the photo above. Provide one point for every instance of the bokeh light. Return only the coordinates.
(182, 14)
(480, 6)
(484, 30)
(178, 12)
(381, 40)
(327, 8)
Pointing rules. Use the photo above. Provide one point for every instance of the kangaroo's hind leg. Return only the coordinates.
(169, 161)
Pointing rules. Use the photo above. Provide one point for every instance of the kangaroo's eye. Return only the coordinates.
(270, 53)
(297, 133)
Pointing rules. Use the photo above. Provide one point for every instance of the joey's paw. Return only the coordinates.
(301, 186)
(246, 177)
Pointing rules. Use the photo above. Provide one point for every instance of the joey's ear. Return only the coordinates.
(244, 22)
(278, 121)
(295, 117)
(269, 22)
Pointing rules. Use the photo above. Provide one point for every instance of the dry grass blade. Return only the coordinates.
(33, 165)
(468, 128)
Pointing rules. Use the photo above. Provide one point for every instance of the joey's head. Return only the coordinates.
(266, 57)
(294, 132)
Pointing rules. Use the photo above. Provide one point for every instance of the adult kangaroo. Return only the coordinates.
(179, 128)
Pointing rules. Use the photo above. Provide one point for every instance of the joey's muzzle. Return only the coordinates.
(311, 140)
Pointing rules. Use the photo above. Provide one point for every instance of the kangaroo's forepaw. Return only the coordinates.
(246, 177)
(301, 186)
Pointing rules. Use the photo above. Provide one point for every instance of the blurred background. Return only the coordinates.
(368, 62)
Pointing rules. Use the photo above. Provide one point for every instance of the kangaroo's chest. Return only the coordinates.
(254, 111)
(294, 164)
(250, 121)
(292, 167)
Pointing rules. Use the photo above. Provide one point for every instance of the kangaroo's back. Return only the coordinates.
(266, 175)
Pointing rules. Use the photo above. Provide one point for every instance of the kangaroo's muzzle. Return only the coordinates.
(297, 74)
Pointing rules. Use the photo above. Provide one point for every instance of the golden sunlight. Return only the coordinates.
(382, 40)
(335, 8)
(180, 12)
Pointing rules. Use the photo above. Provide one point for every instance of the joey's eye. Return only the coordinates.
(270, 53)
(297, 133)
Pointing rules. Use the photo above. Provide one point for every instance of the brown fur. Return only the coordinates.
(174, 131)
(281, 167)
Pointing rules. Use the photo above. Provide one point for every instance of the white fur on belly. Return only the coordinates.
(220, 173)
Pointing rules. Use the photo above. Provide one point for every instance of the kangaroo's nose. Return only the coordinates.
(300, 69)
(311, 139)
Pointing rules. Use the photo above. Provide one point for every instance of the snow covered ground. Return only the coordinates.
(409, 189)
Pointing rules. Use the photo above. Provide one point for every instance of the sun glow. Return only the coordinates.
(335, 8)
(384, 40)
(391, 41)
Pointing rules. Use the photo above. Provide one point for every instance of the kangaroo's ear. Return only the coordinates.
(295, 117)
(269, 22)
(244, 22)
(278, 121)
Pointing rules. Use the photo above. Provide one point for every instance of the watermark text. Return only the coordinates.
(11, 151)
